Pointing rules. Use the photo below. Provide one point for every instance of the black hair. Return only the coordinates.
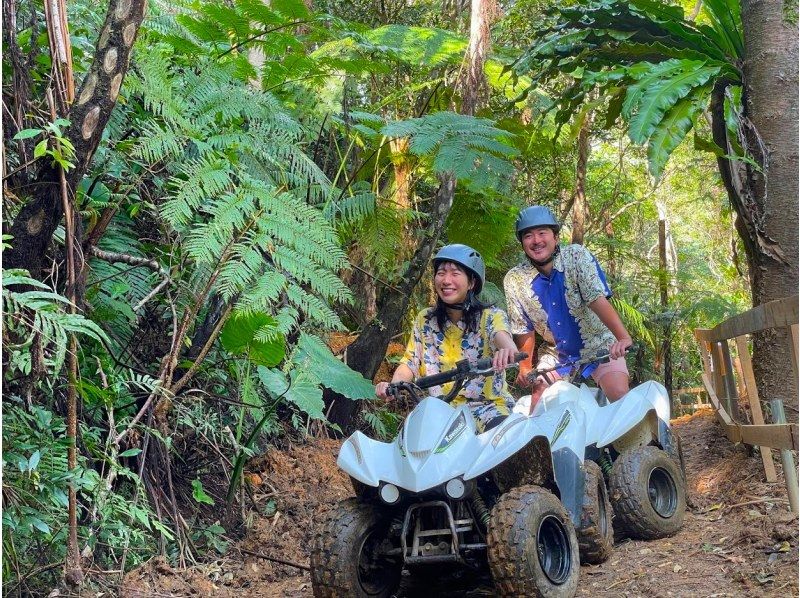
(472, 307)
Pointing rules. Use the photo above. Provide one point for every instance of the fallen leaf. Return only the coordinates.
(719, 505)
(784, 547)
(676, 568)
(645, 551)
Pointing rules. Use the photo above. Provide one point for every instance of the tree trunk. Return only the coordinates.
(580, 207)
(771, 105)
(473, 81)
(34, 226)
(663, 287)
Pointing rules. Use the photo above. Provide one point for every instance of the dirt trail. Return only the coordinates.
(739, 538)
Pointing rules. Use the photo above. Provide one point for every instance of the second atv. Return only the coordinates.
(632, 443)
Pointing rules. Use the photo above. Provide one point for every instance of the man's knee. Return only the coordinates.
(615, 385)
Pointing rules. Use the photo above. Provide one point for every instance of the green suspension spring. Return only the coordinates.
(481, 511)
(605, 463)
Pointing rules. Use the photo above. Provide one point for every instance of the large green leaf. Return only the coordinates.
(301, 389)
(662, 95)
(314, 357)
(726, 19)
(671, 130)
(256, 335)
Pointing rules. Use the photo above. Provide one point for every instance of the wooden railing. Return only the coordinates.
(729, 381)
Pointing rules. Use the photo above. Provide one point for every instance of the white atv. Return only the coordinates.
(636, 450)
(443, 492)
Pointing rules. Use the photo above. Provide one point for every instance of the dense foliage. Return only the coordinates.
(263, 181)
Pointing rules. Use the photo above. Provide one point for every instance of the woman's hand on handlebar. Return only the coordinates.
(380, 391)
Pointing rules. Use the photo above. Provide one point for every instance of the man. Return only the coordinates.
(561, 293)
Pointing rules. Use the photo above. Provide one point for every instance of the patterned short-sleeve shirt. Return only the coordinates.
(431, 351)
(557, 306)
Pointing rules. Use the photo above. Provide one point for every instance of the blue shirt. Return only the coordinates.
(556, 306)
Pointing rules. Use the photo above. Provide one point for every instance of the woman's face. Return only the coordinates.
(451, 283)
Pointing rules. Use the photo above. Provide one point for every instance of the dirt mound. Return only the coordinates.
(288, 488)
(739, 538)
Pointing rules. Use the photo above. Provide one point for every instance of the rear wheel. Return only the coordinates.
(532, 547)
(348, 553)
(648, 494)
(595, 534)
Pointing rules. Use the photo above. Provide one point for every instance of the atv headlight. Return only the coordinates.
(389, 494)
(455, 488)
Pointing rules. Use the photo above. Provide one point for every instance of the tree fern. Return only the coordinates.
(472, 149)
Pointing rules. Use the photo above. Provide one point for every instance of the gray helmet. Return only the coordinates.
(465, 256)
(533, 216)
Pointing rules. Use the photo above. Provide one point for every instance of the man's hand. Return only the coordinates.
(522, 377)
(380, 391)
(617, 349)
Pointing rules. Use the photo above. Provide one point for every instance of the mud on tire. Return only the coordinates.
(595, 534)
(532, 547)
(343, 559)
(648, 494)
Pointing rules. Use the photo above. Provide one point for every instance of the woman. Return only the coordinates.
(458, 327)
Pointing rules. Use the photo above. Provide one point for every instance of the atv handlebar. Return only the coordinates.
(576, 364)
(464, 370)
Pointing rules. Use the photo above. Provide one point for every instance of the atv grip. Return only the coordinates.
(520, 356)
(436, 379)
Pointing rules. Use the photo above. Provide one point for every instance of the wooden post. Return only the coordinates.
(787, 460)
(795, 348)
(749, 381)
(725, 385)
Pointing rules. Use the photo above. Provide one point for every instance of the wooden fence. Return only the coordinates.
(730, 382)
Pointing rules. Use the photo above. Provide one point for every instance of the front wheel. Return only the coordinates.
(532, 547)
(595, 534)
(348, 553)
(648, 494)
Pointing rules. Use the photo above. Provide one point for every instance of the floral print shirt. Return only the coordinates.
(431, 351)
(557, 306)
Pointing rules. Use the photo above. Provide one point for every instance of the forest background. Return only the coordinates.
(198, 195)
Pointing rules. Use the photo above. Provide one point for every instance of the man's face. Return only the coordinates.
(539, 243)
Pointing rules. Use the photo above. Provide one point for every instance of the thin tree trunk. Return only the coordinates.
(663, 287)
(580, 207)
(611, 259)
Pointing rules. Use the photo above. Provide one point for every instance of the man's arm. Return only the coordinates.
(609, 316)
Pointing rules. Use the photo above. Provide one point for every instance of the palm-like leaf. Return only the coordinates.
(654, 65)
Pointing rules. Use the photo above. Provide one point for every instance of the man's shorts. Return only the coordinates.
(614, 365)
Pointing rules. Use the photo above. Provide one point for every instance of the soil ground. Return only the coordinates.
(739, 538)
